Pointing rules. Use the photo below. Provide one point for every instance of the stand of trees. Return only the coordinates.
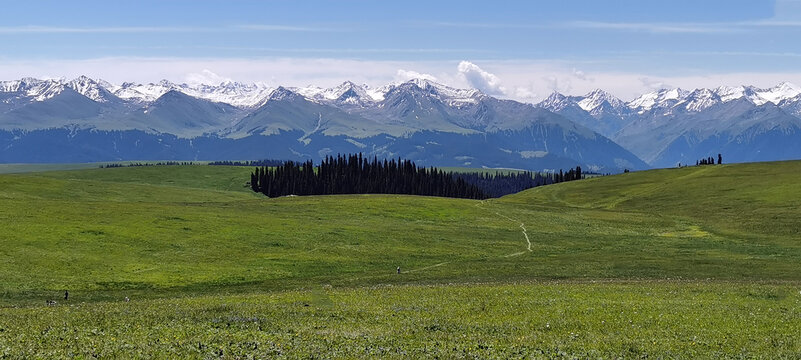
(355, 174)
(710, 161)
(162, 163)
(265, 162)
(499, 184)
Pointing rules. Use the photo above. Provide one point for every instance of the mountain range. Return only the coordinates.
(91, 120)
(57, 120)
(672, 126)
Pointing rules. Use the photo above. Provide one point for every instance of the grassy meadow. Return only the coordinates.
(698, 261)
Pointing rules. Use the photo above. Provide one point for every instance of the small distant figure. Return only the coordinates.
(127, 299)
(398, 269)
(66, 295)
(720, 159)
(51, 303)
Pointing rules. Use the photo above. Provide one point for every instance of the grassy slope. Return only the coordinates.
(553, 320)
(195, 228)
(731, 221)
(30, 168)
(140, 232)
(165, 229)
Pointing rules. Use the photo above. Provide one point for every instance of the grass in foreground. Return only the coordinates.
(547, 320)
(214, 267)
(166, 231)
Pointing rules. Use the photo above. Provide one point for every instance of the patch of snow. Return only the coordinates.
(597, 98)
(358, 144)
(778, 93)
(89, 88)
(533, 154)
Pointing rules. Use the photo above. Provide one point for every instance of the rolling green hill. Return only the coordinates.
(196, 238)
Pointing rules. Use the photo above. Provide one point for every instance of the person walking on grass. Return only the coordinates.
(66, 295)
(398, 269)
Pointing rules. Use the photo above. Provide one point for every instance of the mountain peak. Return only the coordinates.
(90, 88)
(662, 98)
(555, 102)
(442, 92)
(282, 93)
(776, 94)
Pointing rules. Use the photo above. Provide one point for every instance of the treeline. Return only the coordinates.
(265, 162)
(162, 163)
(355, 174)
(497, 185)
(710, 161)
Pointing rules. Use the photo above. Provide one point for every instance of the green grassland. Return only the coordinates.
(201, 255)
(29, 168)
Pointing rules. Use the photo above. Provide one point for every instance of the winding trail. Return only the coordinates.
(525, 234)
(521, 225)
(426, 268)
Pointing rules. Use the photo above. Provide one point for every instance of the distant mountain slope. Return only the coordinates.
(598, 110)
(91, 120)
(672, 126)
(743, 123)
(180, 114)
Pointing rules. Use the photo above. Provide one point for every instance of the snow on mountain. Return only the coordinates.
(597, 110)
(9, 86)
(657, 99)
(699, 99)
(346, 93)
(144, 93)
(351, 94)
(91, 89)
(229, 92)
(447, 94)
(596, 99)
(377, 94)
(555, 102)
(777, 93)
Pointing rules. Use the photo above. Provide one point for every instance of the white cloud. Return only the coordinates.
(556, 83)
(482, 80)
(581, 75)
(206, 77)
(406, 75)
(654, 84)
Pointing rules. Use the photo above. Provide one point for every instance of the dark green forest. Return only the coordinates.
(355, 174)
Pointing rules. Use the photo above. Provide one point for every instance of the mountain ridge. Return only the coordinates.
(651, 126)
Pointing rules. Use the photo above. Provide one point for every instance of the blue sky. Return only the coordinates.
(516, 49)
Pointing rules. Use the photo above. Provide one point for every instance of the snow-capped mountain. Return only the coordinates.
(231, 93)
(95, 90)
(598, 99)
(345, 94)
(700, 99)
(675, 126)
(143, 93)
(434, 124)
(669, 126)
(661, 99)
(33, 89)
(85, 119)
(597, 110)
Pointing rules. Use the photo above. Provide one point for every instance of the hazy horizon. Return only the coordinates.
(522, 51)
